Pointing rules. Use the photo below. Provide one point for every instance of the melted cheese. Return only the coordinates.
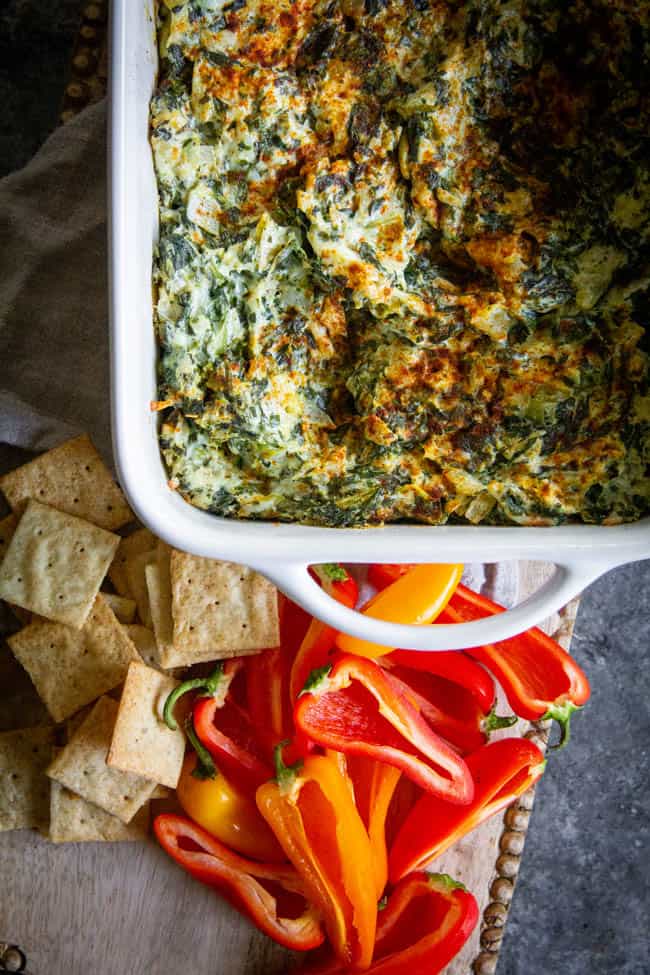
(402, 269)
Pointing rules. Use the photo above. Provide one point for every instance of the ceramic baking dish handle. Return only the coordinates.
(567, 581)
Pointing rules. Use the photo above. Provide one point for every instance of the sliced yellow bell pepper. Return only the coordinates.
(225, 812)
(418, 596)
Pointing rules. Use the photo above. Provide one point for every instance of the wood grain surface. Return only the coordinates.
(126, 908)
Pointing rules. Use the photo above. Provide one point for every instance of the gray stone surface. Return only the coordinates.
(583, 898)
(582, 901)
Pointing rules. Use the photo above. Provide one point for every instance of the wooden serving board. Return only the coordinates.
(125, 907)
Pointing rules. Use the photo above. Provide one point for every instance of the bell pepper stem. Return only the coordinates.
(562, 714)
(285, 775)
(493, 721)
(444, 880)
(205, 767)
(316, 679)
(330, 572)
(208, 685)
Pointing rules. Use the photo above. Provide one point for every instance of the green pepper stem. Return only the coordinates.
(284, 774)
(209, 685)
(444, 880)
(493, 721)
(316, 679)
(330, 571)
(562, 714)
(205, 767)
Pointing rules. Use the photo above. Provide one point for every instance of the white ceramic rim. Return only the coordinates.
(283, 552)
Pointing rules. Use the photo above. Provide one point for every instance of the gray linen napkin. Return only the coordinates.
(53, 297)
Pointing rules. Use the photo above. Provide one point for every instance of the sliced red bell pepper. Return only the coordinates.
(540, 679)
(374, 784)
(318, 641)
(212, 694)
(381, 574)
(272, 896)
(228, 734)
(426, 921)
(311, 810)
(451, 709)
(267, 698)
(418, 596)
(356, 707)
(404, 797)
(455, 666)
(501, 771)
(267, 679)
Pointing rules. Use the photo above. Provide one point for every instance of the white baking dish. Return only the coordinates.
(283, 552)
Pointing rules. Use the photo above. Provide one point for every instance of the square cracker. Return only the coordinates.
(71, 668)
(145, 643)
(8, 526)
(123, 607)
(74, 820)
(55, 564)
(81, 766)
(142, 743)
(72, 478)
(24, 788)
(220, 609)
(138, 541)
(159, 587)
(135, 574)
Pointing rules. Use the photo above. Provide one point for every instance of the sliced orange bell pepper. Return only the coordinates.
(311, 810)
(417, 596)
(227, 813)
(374, 784)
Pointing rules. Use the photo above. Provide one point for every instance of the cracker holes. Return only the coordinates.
(87, 468)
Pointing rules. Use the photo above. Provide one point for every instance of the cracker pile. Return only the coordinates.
(111, 618)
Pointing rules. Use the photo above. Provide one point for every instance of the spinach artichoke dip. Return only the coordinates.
(403, 268)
